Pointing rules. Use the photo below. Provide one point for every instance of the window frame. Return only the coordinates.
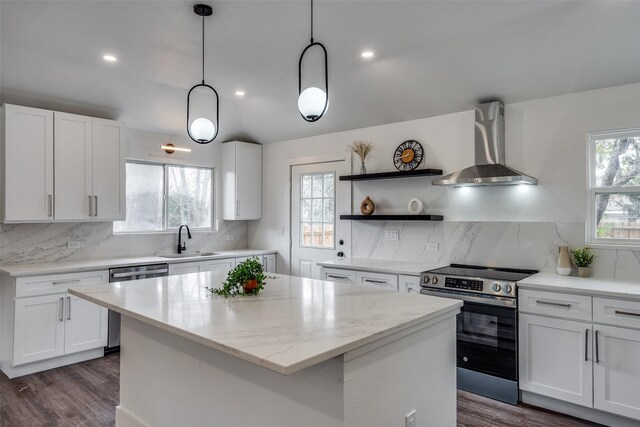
(593, 191)
(165, 200)
(301, 202)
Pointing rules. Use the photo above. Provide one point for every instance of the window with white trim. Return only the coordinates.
(161, 197)
(317, 210)
(614, 188)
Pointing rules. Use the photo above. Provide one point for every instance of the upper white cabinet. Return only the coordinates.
(62, 167)
(241, 180)
(27, 159)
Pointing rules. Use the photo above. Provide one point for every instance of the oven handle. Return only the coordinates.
(502, 302)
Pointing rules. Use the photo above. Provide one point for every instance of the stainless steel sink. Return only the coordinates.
(188, 255)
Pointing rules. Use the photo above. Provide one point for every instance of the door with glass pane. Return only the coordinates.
(317, 199)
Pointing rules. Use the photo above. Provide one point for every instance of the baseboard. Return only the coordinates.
(577, 411)
(125, 418)
(56, 362)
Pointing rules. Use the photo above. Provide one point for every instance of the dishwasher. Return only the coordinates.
(125, 274)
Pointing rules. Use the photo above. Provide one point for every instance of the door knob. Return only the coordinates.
(340, 254)
(341, 242)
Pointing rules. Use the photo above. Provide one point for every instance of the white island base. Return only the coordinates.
(167, 380)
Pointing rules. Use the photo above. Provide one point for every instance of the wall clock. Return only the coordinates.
(408, 155)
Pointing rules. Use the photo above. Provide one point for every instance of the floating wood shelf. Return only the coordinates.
(392, 175)
(393, 217)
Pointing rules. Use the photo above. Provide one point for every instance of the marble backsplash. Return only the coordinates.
(48, 242)
(531, 245)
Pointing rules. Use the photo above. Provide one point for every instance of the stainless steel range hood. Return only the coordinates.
(489, 146)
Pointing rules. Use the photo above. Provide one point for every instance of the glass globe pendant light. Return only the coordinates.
(202, 130)
(313, 102)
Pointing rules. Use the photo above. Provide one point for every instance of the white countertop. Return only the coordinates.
(411, 268)
(292, 324)
(97, 264)
(584, 285)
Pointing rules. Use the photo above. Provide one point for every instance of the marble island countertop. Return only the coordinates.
(294, 323)
(410, 268)
(589, 285)
(16, 270)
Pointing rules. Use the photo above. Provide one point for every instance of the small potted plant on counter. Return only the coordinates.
(582, 258)
(247, 278)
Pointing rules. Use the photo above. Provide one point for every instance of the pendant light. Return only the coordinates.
(202, 130)
(313, 101)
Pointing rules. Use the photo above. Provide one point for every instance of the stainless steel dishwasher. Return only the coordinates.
(125, 274)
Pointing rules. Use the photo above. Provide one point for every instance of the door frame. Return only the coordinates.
(312, 160)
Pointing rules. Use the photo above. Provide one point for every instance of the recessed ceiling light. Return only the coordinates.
(109, 58)
(367, 54)
(239, 93)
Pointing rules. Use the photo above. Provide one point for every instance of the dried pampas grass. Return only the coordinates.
(361, 148)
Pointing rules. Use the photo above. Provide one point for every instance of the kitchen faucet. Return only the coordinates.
(182, 246)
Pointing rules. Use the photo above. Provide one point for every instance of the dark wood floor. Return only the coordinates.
(86, 394)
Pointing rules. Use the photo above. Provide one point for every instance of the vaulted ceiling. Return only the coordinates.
(431, 58)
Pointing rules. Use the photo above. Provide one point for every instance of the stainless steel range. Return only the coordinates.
(487, 326)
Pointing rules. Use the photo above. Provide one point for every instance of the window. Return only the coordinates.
(162, 197)
(317, 210)
(614, 181)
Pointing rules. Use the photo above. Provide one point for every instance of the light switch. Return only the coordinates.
(391, 234)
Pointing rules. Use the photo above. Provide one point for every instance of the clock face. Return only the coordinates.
(408, 155)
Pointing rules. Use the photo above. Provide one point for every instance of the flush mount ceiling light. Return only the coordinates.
(367, 54)
(109, 58)
(239, 93)
(313, 101)
(202, 130)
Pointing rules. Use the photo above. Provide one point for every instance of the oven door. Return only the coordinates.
(487, 340)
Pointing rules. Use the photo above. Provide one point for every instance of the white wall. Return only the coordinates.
(31, 243)
(545, 138)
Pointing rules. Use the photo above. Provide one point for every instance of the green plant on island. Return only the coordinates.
(247, 278)
(583, 257)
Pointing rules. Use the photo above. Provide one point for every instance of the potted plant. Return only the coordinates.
(582, 258)
(247, 278)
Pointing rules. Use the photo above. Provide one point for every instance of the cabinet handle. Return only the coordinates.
(377, 282)
(90, 206)
(69, 308)
(335, 276)
(96, 211)
(555, 304)
(50, 205)
(586, 345)
(627, 313)
(238, 208)
(60, 282)
(597, 349)
(61, 314)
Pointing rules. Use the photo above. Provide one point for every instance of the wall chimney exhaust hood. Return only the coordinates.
(489, 168)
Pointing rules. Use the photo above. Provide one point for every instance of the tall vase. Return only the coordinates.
(564, 261)
(363, 168)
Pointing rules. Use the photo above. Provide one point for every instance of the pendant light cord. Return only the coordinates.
(202, 49)
(311, 21)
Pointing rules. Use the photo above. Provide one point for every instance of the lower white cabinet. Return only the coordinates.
(219, 264)
(377, 280)
(269, 263)
(186, 268)
(409, 284)
(555, 358)
(38, 329)
(369, 279)
(85, 325)
(337, 275)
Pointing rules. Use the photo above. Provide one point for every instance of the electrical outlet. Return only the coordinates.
(229, 236)
(410, 419)
(74, 245)
(391, 234)
(432, 246)
(281, 231)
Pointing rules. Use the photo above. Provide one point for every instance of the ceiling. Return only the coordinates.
(431, 58)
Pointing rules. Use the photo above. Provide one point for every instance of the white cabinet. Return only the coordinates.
(219, 264)
(241, 180)
(555, 358)
(337, 275)
(269, 263)
(616, 371)
(409, 284)
(38, 328)
(85, 325)
(61, 167)
(89, 168)
(27, 179)
(377, 280)
(186, 267)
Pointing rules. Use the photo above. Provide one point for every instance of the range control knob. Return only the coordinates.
(434, 280)
(507, 289)
(426, 279)
(496, 287)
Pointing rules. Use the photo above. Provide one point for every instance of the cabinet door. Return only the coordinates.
(616, 371)
(555, 358)
(409, 284)
(72, 144)
(269, 263)
(377, 280)
(85, 325)
(108, 165)
(39, 328)
(248, 181)
(28, 164)
(219, 264)
(337, 275)
(238, 260)
(185, 268)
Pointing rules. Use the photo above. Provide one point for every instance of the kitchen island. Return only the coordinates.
(303, 352)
